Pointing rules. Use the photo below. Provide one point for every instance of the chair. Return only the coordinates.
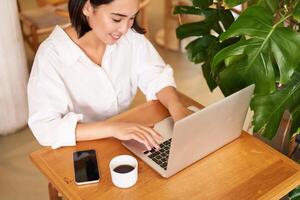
(41, 20)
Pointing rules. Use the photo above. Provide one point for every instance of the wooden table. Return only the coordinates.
(244, 169)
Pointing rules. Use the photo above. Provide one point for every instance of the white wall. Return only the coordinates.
(13, 70)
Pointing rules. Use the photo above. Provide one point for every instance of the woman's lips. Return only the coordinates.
(115, 36)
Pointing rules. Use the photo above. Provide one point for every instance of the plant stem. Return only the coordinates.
(282, 20)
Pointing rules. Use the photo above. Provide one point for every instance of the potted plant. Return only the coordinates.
(261, 47)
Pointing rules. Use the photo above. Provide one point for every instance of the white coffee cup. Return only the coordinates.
(123, 171)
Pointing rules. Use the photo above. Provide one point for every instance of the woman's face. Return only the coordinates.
(110, 21)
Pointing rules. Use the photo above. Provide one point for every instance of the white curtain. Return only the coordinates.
(13, 70)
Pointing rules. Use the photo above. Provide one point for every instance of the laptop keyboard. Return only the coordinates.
(161, 156)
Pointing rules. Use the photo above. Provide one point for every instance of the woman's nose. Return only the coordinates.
(124, 27)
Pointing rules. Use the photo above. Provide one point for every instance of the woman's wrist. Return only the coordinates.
(106, 128)
(174, 107)
(178, 111)
(93, 131)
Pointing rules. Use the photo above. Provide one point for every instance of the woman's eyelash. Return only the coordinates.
(116, 20)
(119, 20)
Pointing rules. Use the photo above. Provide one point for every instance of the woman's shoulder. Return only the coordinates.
(51, 44)
(132, 36)
(58, 46)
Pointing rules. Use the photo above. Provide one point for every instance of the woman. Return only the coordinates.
(91, 71)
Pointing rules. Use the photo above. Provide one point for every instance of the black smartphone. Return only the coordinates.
(85, 167)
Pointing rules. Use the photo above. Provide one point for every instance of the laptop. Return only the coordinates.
(195, 136)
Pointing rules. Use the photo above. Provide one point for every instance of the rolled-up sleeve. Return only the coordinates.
(152, 72)
(50, 118)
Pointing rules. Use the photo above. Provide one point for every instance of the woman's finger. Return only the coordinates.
(144, 137)
(144, 141)
(149, 136)
(158, 138)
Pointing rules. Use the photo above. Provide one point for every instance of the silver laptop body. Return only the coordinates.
(199, 134)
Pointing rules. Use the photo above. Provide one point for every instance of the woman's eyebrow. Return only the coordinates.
(122, 15)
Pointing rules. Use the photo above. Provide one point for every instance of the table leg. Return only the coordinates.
(53, 193)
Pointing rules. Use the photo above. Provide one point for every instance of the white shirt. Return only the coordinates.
(65, 86)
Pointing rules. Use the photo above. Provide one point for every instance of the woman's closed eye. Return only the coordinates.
(116, 20)
(119, 20)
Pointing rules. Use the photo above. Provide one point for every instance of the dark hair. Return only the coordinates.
(79, 20)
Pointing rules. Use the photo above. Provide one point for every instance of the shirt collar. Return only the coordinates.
(67, 49)
(70, 52)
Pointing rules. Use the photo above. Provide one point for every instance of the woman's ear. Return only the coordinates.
(87, 8)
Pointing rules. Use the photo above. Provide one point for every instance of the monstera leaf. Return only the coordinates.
(202, 3)
(270, 5)
(203, 48)
(295, 110)
(233, 3)
(256, 48)
(296, 13)
(267, 4)
(269, 108)
(295, 194)
(267, 56)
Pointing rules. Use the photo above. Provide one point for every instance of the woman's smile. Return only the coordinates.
(115, 36)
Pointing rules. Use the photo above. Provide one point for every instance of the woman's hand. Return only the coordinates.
(143, 134)
(168, 96)
(178, 111)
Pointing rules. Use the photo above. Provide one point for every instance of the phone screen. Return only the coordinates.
(85, 167)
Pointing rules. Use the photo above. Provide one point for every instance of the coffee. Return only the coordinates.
(123, 169)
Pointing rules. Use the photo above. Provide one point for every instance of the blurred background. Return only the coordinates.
(19, 177)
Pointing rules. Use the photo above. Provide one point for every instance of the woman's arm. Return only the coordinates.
(155, 78)
(119, 130)
(168, 96)
(51, 119)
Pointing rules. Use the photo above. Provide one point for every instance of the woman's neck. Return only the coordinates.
(89, 43)
(88, 40)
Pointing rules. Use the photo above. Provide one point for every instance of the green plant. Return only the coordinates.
(260, 47)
